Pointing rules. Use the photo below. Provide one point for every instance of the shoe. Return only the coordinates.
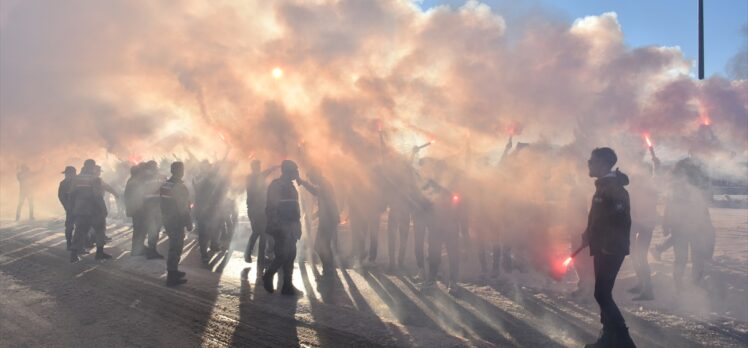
(179, 274)
(74, 257)
(454, 290)
(152, 254)
(83, 251)
(247, 257)
(421, 275)
(173, 281)
(622, 339)
(427, 286)
(646, 295)
(291, 291)
(101, 255)
(267, 282)
(635, 290)
(604, 341)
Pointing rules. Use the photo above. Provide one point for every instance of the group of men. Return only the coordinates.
(438, 216)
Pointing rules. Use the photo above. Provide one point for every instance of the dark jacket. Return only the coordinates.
(63, 194)
(175, 204)
(609, 222)
(282, 206)
(86, 196)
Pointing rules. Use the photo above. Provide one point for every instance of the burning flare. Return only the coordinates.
(648, 140)
(567, 261)
(455, 198)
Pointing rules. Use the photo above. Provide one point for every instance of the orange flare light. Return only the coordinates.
(648, 140)
(456, 199)
(705, 120)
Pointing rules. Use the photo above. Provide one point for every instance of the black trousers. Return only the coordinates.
(138, 232)
(363, 228)
(398, 225)
(258, 221)
(323, 244)
(419, 238)
(444, 236)
(176, 246)
(83, 223)
(69, 227)
(285, 255)
(606, 271)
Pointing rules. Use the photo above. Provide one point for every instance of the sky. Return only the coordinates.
(646, 22)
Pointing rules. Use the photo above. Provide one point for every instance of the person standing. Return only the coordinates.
(175, 210)
(329, 219)
(26, 191)
(89, 211)
(63, 194)
(608, 236)
(256, 196)
(284, 224)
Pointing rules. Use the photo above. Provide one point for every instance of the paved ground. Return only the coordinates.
(46, 301)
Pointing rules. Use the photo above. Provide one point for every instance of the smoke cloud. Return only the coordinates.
(118, 79)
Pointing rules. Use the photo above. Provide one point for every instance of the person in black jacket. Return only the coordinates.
(608, 236)
(174, 199)
(63, 193)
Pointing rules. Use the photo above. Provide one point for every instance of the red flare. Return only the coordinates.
(567, 261)
(455, 199)
(648, 140)
(705, 120)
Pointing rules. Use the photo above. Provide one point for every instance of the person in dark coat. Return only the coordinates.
(63, 194)
(284, 224)
(608, 236)
(89, 210)
(175, 210)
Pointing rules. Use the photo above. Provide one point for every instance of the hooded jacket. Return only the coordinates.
(609, 222)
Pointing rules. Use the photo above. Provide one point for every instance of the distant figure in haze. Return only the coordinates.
(329, 219)
(256, 198)
(607, 234)
(688, 222)
(26, 191)
(284, 224)
(86, 198)
(644, 219)
(174, 201)
(443, 233)
(134, 197)
(63, 194)
(152, 223)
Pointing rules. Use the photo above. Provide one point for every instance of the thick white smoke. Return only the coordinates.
(121, 79)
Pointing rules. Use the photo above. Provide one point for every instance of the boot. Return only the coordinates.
(101, 255)
(179, 274)
(267, 282)
(152, 254)
(636, 289)
(74, 256)
(247, 257)
(605, 340)
(173, 279)
(290, 290)
(622, 339)
(647, 294)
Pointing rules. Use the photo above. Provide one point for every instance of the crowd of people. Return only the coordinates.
(442, 207)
